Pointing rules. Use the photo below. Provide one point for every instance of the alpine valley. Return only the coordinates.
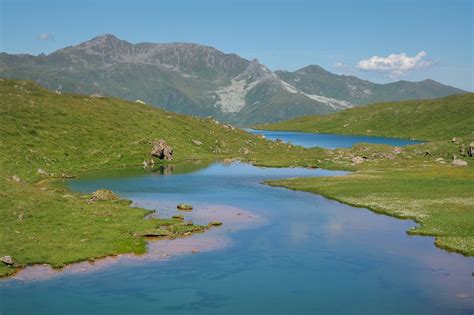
(203, 81)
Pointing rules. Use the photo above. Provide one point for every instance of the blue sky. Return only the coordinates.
(364, 38)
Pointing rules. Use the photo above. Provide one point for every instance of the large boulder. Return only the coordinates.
(162, 150)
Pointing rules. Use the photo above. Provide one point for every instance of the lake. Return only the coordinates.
(328, 141)
(278, 252)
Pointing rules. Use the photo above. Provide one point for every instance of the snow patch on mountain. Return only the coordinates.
(334, 103)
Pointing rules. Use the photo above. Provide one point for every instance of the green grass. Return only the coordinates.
(43, 222)
(437, 119)
(438, 197)
(412, 184)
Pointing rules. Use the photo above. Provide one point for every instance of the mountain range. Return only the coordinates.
(203, 81)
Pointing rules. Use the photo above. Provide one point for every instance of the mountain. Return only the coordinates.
(433, 119)
(316, 80)
(202, 81)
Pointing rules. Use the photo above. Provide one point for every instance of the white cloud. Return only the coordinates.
(339, 65)
(395, 65)
(45, 36)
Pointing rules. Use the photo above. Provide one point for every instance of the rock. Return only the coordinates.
(455, 140)
(41, 171)
(228, 126)
(215, 223)
(194, 251)
(196, 142)
(162, 150)
(184, 207)
(457, 162)
(64, 175)
(397, 150)
(140, 102)
(357, 160)
(16, 178)
(7, 260)
(470, 150)
(278, 140)
(261, 136)
(387, 156)
(188, 223)
(103, 195)
(178, 217)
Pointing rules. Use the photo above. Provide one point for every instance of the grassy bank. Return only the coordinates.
(45, 136)
(437, 119)
(437, 196)
(418, 182)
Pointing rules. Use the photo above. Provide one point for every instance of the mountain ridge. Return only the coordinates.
(202, 80)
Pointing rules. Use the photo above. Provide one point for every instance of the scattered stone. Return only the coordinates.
(357, 160)
(470, 150)
(387, 156)
(103, 195)
(229, 161)
(146, 163)
(16, 178)
(440, 160)
(455, 140)
(184, 207)
(162, 150)
(215, 223)
(41, 171)
(64, 175)
(397, 150)
(278, 140)
(457, 162)
(7, 260)
(178, 217)
(228, 126)
(140, 102)
(261, 136)
(246, 151)
(197, 142)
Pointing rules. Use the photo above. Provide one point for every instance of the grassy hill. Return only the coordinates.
(437, 119)
(44, 136)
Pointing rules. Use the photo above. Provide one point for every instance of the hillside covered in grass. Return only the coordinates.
(437, 119)
(45, 136)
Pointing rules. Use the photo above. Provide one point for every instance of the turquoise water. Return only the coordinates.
(290, 253)
(329, 141)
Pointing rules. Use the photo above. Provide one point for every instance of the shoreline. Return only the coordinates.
(158, 249)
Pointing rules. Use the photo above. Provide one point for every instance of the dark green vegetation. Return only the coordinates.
(45, 136)
(418, 182)
(202, 81)
(439, 119)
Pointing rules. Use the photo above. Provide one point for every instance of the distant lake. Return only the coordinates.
(278, 252)
(328, 141)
